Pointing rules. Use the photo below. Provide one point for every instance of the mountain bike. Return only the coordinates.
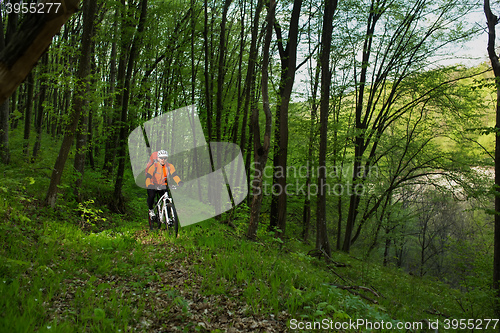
(165, 214)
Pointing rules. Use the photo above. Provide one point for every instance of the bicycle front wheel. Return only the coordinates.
(174, 225)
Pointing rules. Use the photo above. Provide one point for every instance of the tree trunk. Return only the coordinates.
(306, 211)
(29, 43)
(360, 126)
(12, 26)
(122, 147)
(492, 20)
(322, 242)
(90, 8)
(81, 146)
(207, 71)
(52, 115)
(249, 87)
(4, 114)
(221, 71)
(219, 107)
(380, 221)
(83, 135)
(386, 247)
(27, 114)
(423, 245)
(193, 43)
(261, 150)
(4, 132)
(110, 116)
(288, 67)
(41, 100)
(239, 80)
(248, 94)
(93, 147)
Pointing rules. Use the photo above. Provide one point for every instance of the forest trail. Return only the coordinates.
(168, 294)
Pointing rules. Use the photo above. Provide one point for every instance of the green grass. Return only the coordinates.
(81, 268)
(58, 278)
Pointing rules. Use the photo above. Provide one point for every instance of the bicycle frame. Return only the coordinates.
(166, 213)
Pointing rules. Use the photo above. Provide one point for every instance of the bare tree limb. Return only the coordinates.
(352, 288)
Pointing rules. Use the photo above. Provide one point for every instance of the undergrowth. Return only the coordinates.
(81, 268)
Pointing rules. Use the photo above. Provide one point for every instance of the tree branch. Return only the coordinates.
(29, 43)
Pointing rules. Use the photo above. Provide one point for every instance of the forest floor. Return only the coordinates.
(172, 299)
(79, 267)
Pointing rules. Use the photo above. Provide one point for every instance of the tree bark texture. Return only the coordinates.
(4, 113)
(360, 125)
(221, 71)
(208, 64)
(322, 242)
(492, 20)
(249, 86)
(288, 68)
(29, 43)
(261, 149)
(28, 111)
(41, 100)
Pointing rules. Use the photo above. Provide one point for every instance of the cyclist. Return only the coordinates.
(157, 172)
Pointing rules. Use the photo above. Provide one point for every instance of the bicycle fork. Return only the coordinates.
(168, 213)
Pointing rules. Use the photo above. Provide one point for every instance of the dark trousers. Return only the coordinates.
(152, 196)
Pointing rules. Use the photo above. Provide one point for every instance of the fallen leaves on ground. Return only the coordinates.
(164, 296)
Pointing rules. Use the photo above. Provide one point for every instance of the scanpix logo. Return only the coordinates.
(213, 174)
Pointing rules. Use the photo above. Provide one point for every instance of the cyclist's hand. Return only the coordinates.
(181, 183)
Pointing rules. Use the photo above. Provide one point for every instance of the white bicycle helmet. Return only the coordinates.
(162, 154)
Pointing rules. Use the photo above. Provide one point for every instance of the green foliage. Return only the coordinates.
(81, 268)
(91, 217)
(110, 274)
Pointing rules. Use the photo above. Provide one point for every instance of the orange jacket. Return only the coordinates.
(156, 174)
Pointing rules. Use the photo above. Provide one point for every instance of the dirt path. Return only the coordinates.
(166, 298)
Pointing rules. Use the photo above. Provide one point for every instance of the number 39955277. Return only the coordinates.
(34, 8)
